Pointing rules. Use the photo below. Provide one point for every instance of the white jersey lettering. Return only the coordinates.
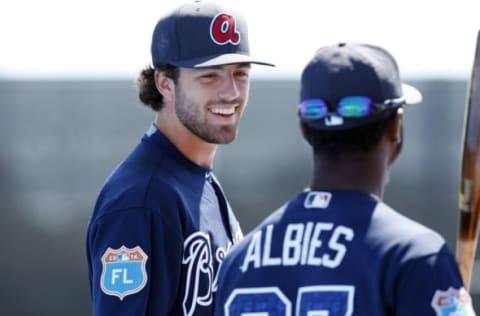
(253, 252)
(198, 259)
(313, 244)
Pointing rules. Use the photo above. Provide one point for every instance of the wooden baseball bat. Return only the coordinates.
(469, 199)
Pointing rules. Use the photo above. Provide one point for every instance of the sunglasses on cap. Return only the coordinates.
(349, 107)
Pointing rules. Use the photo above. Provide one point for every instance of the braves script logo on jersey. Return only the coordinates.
(123, 271)
(201, 275)
(452, 302)
(223, 30)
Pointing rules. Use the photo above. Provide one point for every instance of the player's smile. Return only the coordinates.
(174, 215)
(225, 114)
(222, 111)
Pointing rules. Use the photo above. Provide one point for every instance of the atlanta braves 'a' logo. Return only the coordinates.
(223, 30)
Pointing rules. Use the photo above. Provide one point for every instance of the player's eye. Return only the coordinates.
(242, 75)
(209, 75)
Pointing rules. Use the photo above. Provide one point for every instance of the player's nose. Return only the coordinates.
(230, 89)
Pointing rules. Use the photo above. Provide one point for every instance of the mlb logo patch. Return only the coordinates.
(317, 200)
(123, 271)
(333, 120)
(452, 302)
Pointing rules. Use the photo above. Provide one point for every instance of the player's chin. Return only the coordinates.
(224, 135)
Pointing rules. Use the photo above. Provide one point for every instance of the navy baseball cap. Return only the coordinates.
(354, 69)
(201, 34)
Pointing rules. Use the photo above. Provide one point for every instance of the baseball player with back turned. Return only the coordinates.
(337, 249)
(162, 224)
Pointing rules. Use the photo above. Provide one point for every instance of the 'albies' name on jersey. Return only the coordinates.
(312, 243)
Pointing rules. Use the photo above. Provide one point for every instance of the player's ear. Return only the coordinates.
(395, 134)
(165, 85)
(396, 126)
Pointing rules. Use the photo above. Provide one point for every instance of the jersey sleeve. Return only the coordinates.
(432, 285)
(134, 261)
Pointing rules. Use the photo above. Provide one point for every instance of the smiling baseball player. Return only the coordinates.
(162, 224)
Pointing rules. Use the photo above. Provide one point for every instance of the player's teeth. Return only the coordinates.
(223, 111)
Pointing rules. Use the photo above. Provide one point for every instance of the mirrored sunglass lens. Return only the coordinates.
(313, 109)
(354, 106)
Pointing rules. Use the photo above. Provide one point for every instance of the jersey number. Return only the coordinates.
(321, 300)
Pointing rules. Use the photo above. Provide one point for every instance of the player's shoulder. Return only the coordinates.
(385, 215)
(135, 184)
(394, 230)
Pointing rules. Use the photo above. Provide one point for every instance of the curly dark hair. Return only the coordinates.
(355, 140)
(148, 92)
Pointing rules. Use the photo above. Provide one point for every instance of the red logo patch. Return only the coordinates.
(223, 30)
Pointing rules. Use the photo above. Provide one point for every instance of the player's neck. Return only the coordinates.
(359, 173)
(191, 146)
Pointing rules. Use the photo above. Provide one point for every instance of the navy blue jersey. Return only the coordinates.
(160, 228)
(340, 253)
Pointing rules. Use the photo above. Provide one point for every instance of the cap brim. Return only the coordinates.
(225, 59)
(411, 94)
